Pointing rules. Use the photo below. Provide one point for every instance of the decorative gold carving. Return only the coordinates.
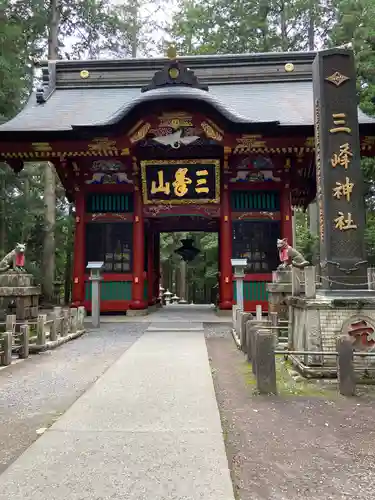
(247, 142)
(310, 142)
(289, 67)
(182, 201)
(101, 143)
(140, 133)
(368, 141)
(175, 120)
(84, 74)
(41, 146)
(337, 78)
(210, 132)
(101, 216)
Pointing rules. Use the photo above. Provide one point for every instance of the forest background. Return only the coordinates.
(33, 208)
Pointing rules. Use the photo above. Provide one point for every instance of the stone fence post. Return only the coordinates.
(53, 333)
(41, 330)
(66, 322)
(73, 320)
(81, 318)
(371, 278)
(6, 340)
(345, 366)
(25, 340)
(296, 282)
(310, 282)
(10, 323)
(265, 366)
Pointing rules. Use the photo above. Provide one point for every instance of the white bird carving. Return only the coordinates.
(175, 140)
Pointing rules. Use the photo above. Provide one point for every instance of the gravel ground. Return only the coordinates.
(34, 393)
(291, 447)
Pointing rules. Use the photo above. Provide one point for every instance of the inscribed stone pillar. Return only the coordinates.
(338, 173)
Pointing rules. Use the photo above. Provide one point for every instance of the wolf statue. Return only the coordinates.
(14, 260)
(289, 256)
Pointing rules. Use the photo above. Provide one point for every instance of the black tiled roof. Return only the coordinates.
(244, 89)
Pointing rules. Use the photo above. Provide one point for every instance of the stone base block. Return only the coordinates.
(136, 312)
(316, 324)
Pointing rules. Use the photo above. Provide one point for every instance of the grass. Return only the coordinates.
(286, 384)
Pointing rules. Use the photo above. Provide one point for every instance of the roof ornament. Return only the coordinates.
(174, 74)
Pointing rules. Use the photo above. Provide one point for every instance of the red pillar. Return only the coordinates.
(150, 268)
(286, 210)
(79, 265)
(225, 252)
(138, 301)
(156, 266)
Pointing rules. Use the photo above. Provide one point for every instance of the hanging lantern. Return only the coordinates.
(188, 252)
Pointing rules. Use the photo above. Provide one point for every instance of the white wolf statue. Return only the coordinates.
(14, 260)
(289, 256)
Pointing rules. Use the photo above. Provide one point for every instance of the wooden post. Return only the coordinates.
(225, 251)
(138, 302)
(79, 251)
(25, 335)
(41, 330)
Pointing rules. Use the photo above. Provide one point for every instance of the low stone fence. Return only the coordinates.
(48, 332)
(260, 340)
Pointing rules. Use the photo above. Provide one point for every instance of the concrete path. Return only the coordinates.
(148, 429)
(35, 392)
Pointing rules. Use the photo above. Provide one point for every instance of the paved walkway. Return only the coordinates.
(148, 429)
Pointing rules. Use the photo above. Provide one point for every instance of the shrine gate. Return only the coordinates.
(210, 143)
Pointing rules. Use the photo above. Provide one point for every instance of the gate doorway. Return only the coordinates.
(192, 280)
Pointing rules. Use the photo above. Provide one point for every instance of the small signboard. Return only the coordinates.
(180, 181)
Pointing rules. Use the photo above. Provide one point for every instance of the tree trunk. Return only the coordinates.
(134, 7)
(283, 28)
(49, 234)
(311, 28)
(49, 176)
(2, 215)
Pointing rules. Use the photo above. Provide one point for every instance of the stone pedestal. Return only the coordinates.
(278, 291)
(317, 323)
(18, 296)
